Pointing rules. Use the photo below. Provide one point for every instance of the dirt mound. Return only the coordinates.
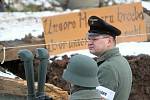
(54, 75)
(140, 66)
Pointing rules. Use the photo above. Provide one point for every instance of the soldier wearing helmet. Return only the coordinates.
(81, 72)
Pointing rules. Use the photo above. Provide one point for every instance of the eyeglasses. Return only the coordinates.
(95, 38)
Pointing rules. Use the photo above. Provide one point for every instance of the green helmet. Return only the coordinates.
(82, 71)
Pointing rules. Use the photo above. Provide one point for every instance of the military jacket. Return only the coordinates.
(85, 95)
(114, 74)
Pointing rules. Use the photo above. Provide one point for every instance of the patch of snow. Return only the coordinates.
(146, 4)
(18, 24)
(134, 48)
(7, 74)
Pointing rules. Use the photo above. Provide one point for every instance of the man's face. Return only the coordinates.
(98, 44)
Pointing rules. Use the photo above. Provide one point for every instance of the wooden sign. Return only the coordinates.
(68, 32)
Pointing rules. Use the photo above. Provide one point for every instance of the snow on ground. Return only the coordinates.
(18, 24)
(146, 4)
(7, 74)
(134, 48)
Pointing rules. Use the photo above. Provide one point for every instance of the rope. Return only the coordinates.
(5, 48)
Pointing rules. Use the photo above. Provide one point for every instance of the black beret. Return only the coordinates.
(99, 26)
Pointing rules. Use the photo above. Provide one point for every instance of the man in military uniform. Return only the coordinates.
(114, 73)
(81, 72)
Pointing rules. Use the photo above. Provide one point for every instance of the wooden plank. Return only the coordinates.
(15, 87)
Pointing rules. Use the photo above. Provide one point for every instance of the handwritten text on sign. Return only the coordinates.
(67, 32)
